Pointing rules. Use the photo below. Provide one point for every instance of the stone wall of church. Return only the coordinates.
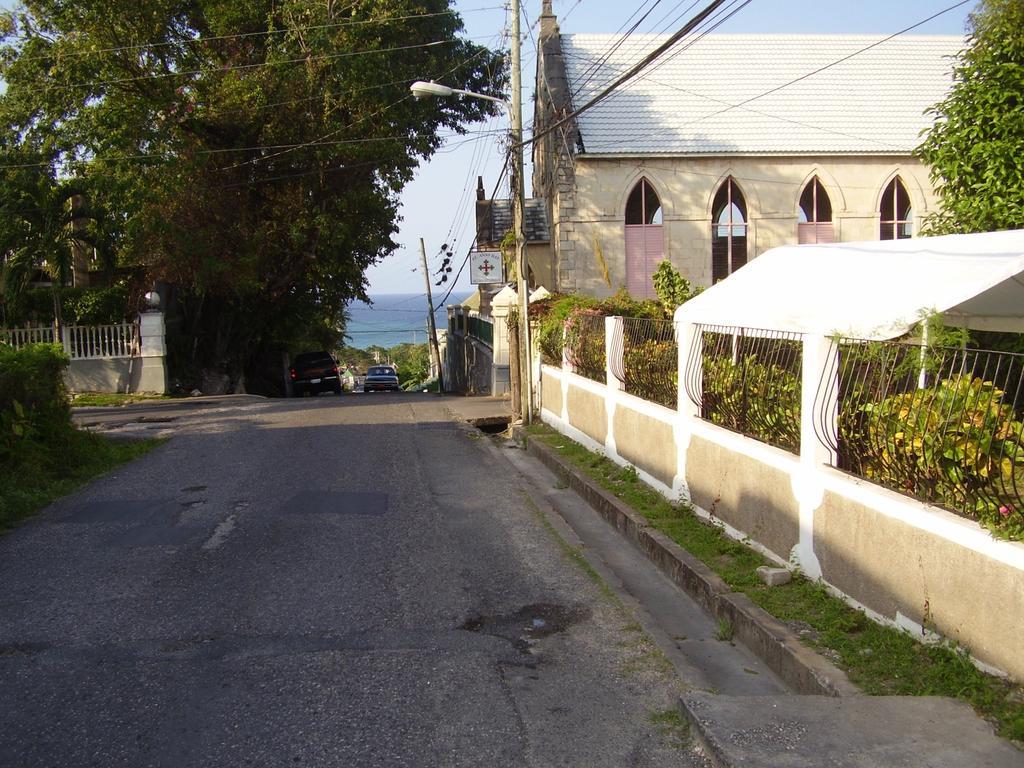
(588, 232)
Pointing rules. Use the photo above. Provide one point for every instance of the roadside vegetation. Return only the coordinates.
(411, 361)
(100, 399)
(261, 229)
(42, 455)
(880, 660)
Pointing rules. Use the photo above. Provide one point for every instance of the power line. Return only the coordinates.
(633, 71)
(263, 33)
(827, 66)
(237, 67)
(164, 155)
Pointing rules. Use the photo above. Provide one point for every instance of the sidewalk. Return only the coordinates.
(487, 413)
(825, 720)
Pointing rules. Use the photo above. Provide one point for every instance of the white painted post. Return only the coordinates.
(819, 363)
(152, 353)
(501, 304)
(613, 347)
(61, 336)
(690, 343)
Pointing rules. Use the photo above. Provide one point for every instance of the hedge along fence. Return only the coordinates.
(943, 425)
(650, 360)
(34, 404)
(748, 381)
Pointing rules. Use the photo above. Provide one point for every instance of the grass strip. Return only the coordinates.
(56, 470)
(881, 660)
(102, 399)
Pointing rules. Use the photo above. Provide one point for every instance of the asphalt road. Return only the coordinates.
(333, 581)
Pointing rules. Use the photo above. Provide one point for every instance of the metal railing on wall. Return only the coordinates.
(583, 348)
(481, 329)
(748, 380)
(645, 358)
(942, 425)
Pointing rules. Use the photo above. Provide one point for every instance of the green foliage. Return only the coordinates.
(757, 399)
(412, 361)
(250, 155)
(42, 222)
(56, 468)
(34, 407)
(549, 316)
(976, 146)
(672, 289)
(957, 444)
(652, 371)
(79, 306)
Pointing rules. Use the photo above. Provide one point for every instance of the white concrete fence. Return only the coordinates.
(906, 563)
(123, 357)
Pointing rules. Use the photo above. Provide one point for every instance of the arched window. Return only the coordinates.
(728, 231)
(643, 206)
(814, 220)
(897, 220)
(645, 241)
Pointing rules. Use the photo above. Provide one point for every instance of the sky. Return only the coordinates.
(438, 205)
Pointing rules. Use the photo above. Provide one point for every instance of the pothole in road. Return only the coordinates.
(529, 624)
(492, 426)
(22, 649)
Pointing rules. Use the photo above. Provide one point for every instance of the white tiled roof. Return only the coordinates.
(871, 103)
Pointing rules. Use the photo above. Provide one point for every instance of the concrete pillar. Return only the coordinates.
(818, 413)
(151, 375)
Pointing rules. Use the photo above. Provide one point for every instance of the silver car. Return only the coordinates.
(381, 378)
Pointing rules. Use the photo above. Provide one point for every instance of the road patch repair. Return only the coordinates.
(826, 720)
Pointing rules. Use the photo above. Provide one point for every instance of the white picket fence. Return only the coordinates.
(81, 342)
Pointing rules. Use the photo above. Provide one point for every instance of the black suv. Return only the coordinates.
(315, 372)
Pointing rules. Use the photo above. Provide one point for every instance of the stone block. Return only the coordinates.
(774, 577)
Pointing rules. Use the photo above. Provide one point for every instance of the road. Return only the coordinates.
(333, 581)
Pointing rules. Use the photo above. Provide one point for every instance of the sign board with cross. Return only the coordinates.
(486, 267)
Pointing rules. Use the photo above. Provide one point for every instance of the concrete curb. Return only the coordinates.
(804, 671)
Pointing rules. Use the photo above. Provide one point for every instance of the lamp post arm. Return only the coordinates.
(423, 89)
(507, 105)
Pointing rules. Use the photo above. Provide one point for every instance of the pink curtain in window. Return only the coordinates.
(645, 249)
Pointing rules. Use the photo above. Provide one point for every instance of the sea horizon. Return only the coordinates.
(395, 318)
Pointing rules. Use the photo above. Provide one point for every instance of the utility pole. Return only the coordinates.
(518, 215)
(434, 349)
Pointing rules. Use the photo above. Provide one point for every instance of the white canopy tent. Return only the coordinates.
(873, 290)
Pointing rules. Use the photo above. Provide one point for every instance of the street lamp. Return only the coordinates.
(422, 89)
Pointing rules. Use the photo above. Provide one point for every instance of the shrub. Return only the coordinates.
(550, 316)
(759, 400)
(652, 371)
(957, 444)
(34, 403)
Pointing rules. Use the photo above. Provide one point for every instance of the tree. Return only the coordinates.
(976, 146)
(251, 152)
(43, 222)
